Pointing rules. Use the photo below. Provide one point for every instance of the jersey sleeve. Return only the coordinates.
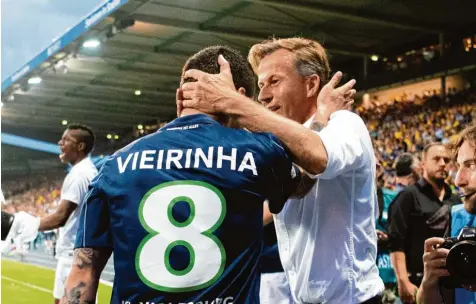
(283, 175)
(344, 143)
(73, 187)
(94, 220)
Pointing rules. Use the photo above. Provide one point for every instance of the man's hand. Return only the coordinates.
(407, 291)
(209, 91)
(433, 261)
(332, 99)
(381, 236)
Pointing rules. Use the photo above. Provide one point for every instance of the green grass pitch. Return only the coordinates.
(26, 283)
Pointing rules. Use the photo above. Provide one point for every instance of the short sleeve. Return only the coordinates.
(283, 176)
(94, 220)
(343, 139)
(73, 187)
(399, 220)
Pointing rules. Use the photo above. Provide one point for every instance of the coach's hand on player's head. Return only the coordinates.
(209, 91)
(332, 98)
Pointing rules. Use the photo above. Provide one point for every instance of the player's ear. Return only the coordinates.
(81, 146)
(242, 91)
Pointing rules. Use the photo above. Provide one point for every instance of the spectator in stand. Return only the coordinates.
(408, 170)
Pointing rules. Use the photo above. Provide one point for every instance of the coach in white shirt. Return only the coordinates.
(327, 240)
(76, 144)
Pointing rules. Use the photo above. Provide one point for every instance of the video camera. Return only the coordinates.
(461, 260)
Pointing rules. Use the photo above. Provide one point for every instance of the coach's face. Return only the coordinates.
(70, 146)
(466, 175)
(282, 89)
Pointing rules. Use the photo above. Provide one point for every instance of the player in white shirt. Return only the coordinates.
(76, 144)
(327, 240)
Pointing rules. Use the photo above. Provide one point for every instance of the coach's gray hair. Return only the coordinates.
(310, 56)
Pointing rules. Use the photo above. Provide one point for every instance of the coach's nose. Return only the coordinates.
(265, 96)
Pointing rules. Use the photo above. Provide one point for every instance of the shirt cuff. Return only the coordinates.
(396, 245)
(70, 199)
(328, 141)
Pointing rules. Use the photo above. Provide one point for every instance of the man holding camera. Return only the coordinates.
(462, 216)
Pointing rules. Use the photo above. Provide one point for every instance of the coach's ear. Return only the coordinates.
(242, 91)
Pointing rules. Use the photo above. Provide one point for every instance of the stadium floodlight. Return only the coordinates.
(140, 127)
(64, 122)
(34, 80)
(116, 136)
(374, 58)
(109, 136)
(91, 43)
(137, 92)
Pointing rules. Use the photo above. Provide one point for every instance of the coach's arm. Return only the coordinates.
(216, 94)
(83, 280)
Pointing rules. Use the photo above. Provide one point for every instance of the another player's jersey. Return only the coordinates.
(183, 211)
(75, 188)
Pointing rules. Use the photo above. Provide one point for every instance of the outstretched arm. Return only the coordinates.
(83, 280)
(59, 217)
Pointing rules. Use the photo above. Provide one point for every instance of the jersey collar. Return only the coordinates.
(202, 119)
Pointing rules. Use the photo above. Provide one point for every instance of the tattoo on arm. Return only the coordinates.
(83, 257)
(317, 126)
(83, 280)
(74, 295)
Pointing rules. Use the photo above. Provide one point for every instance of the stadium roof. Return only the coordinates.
(131, 77)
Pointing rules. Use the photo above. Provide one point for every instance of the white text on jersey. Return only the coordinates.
(183, 159)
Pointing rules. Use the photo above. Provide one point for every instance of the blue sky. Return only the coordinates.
(29, 26)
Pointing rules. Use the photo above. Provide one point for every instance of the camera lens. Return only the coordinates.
(461, 260)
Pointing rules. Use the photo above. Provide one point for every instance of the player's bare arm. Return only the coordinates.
(59, 218)
(216, 93)
(83, 280)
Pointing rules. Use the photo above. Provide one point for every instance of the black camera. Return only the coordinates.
(461, 260)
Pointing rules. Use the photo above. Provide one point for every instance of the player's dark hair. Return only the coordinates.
(206, 60)
(86, 135)
(404, 164)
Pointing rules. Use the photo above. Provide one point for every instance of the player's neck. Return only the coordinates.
(189, 111)
(77, 160)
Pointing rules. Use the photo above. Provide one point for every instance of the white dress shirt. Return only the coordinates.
(75, 187)
(327, 240)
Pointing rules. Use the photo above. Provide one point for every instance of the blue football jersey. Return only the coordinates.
(182, 210)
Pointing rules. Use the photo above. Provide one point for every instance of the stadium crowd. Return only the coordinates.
(409, 124)
(402, 125)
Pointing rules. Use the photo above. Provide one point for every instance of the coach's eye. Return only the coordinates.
(189, 79)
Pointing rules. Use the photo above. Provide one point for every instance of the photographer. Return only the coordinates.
(435, 258)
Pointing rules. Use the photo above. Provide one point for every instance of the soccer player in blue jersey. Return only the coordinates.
(182, 209)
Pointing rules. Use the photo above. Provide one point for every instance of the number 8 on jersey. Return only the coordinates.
(207, 254)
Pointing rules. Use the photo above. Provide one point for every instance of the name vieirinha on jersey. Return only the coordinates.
(214, 158)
